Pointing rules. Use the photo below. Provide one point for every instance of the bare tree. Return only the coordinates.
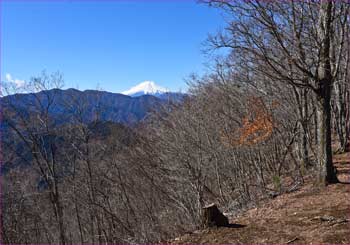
(291, 42)
(33, 125)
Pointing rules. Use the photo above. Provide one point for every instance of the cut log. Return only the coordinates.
(212, 217)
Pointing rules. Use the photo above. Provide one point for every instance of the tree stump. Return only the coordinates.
(212, 217)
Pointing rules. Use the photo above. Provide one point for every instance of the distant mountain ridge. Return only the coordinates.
(111, 111)
(107, 106)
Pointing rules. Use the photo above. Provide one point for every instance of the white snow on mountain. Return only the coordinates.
(146, 87)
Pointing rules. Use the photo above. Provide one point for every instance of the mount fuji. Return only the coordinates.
(146, 88)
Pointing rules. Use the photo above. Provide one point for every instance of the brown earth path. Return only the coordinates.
(311, 215)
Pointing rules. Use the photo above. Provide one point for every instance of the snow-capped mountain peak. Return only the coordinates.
(146, 87)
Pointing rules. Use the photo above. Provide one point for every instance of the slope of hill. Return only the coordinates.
(309, 215)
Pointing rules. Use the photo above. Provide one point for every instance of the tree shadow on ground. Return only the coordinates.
(235, 226)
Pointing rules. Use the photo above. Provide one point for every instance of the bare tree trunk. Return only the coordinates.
(346, 101)
(301, 98)
(327, 172)
(59, 215)
(339, 114)
(61, 224)
(315, 130)
(347, 119)
(305, 112)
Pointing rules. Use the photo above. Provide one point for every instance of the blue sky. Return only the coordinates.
(113, 44)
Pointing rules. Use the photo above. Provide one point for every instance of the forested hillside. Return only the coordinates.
(265, 123)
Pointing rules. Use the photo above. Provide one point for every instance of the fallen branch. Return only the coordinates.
(293, 240)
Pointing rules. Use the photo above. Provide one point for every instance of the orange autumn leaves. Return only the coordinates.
(257, 125)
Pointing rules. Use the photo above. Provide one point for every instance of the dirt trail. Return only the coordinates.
(310, 215)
